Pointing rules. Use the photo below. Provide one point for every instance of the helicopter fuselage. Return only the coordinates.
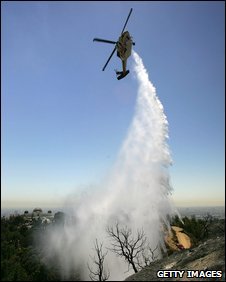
(124, 46)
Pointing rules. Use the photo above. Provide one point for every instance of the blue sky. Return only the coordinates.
(64, 120)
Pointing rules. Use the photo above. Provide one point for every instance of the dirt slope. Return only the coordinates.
(208, 256)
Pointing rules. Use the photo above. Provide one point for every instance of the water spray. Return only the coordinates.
(136, 194)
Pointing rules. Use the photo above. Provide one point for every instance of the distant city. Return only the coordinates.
(199, 212)
(36, 212)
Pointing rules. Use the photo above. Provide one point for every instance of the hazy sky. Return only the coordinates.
(64, 120)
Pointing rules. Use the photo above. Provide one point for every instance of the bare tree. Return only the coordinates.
(125, 245)
(99, 274)
(207, 220)
(148, 256)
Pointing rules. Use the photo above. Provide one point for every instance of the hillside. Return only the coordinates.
(208, 258)
(23, 257)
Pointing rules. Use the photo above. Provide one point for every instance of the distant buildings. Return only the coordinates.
(38, 214)
(38, 217)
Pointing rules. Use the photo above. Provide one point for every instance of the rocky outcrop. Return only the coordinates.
(205, 262)
(176, 239)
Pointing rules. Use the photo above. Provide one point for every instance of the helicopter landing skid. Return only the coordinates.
(121, 74)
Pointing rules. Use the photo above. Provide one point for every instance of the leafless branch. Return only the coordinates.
(99, 274)
(125, 245)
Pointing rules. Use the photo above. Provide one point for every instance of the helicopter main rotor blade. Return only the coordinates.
(104, 40)
(109, 59)
(127, 20)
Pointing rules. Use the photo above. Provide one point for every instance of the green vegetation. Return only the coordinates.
(199, 229)
(21, 256)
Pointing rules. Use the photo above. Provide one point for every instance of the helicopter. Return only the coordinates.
(123, 47)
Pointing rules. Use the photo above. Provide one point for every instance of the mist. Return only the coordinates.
(136, 194)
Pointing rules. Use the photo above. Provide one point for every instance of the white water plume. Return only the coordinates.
(136, 194)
